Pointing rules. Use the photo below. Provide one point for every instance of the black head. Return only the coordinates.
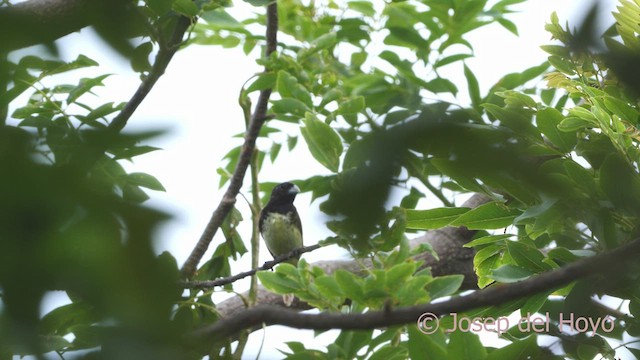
(284, 193)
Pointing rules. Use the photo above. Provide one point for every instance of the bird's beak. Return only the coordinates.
(294, 190)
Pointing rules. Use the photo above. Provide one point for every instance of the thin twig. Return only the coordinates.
(266, 266)
(491, 296)
(229, 198)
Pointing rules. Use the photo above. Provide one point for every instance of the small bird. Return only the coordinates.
(280, 224)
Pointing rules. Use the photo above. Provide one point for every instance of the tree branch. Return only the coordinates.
(491, 296)
(229, 198)
(40, 21)
(164, 56)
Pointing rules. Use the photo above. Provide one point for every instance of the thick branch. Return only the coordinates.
(40, 21)
(491, 296)
(229, 198)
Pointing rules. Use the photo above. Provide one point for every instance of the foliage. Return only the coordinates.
(362, 81)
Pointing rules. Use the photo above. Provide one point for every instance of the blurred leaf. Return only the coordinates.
(288, 87)
(620, 183)
(351, 285)
(351, 106)
(444, 285)
(263, 81)
(145, 180)
(185, 7)
(364, 7)
(492, 215)
(526, 256)
(85, 86)
(548, 120)
(465, 345)
(510, 273)
(474, 88)
(289, 106)
(324, 144)
(160, 7)
(434, 218)
(277, 282)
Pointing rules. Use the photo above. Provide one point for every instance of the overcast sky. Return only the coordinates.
(196, 100)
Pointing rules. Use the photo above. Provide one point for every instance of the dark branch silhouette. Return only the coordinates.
(40, 21)
(229, 198)
(492, 296)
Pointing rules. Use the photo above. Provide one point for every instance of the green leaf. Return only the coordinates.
(557, 50)
(534, 303)
(492, 215)
(61, 319)
(440, 85)
(263, 81)
(535, 211)
(85, 86)
(331, 95)
(489, 239)
(444, 285)
(389, 352)
(423, 346)
(399, 274)
(451, 59)
(433, 218)
(510, 274)
(81, 61)
(48, 343)
(186, 7)
(548, 120)
(465, 345)
(324, 143)
(485, 253)
(258, 3)
(351, 285)
(363, 7)
(140, 57)
(131, 152)
(328, 286)
(220, 19)
(145, 180)
(352, 105)
(619, 181)
(527, 256)
(509, 25)
(517, 119)
(288, 87)
(562, 65)
(277, 282)
(572, 124)
(160, 7)
(474, 88)
(485, 268)
(101, 112)
(526, 348)
(289, 106)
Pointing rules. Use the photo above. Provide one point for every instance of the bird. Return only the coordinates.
(279, 222)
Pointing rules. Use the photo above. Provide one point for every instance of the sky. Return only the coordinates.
(196, 101)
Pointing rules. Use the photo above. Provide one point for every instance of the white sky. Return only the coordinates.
(196, 100)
